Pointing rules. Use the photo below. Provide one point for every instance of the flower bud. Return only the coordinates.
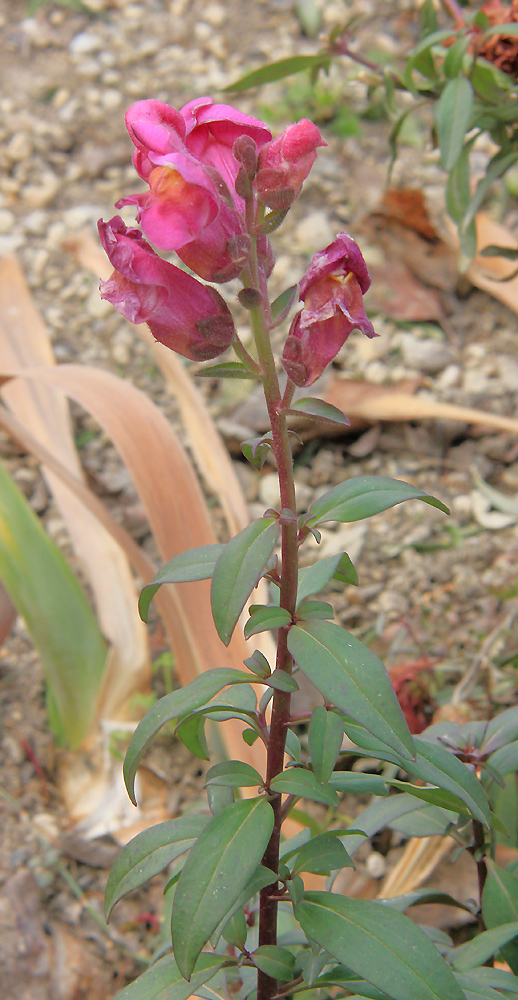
(285, 163)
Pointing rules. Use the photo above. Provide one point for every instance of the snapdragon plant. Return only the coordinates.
(242, 919)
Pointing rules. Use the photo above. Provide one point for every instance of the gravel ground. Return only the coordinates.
(428, 589)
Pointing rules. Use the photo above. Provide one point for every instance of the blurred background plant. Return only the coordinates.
(463, 69)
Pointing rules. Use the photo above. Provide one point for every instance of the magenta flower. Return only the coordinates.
(182, 313)
(332, 291)
(212, 129)
(285, 163)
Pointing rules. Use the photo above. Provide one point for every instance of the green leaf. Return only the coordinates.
(163, 981)
(260, 879)
(435, 38)
(195, 564)
(427, 821)
(191, 731)
(353, 678)
(318, 409)
(256, 450)
(258, 664)
(281, 681)
(326, 733)
(297, 781)
(278, 963)
(233, 773)
(282, 304)
(364, 496)
(510, 253)
(149, 853)
(437, 766)
(420, 897)
(58, 617)
(322, 855)
(228, 369)
(475, 990)
(452, 65)
(311, 610)
(427, 18)
(498, 979)
(479, 949)
(436, 796)
(277, 71)
(458, 190)
(379, 944)
(358, 783)
(172, 706)
(505, 760)
(238, 570)
(500, 906)
(219, 797)
(235, 931)
(313, 579)
(501, 29)
(453, 117)
(489, 82)
(497, 167)
(380, 813)
(266, 618)
(217, 870)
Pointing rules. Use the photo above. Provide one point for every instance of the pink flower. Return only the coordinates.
(182, 313)
(332, 291)
(285, 163)
(212, 129)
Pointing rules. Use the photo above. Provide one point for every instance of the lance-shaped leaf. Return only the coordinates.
(358, 783)
(381, 945)
(318, 409)
(172, 706)
(322, 855)
(453, 116)
(313, 579)
(439, 767)
(218, 868)
(276, 962)
(283, 303)
(297, 781)
(353, 678)
(326, 732)
(364, 496)
(58, 616)
(260, 879)
(278, 71)
(380, 813)
(228, 369)
(498, 979)
(500, 906)
(149, 853)
(195, 564)
(479, 949)
(436, 796)
(422, 896)
(238, 570)
(163, 980)
(266, 618)
(233, 773)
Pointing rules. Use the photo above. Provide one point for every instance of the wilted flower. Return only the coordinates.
(332, 291)
(182, 313)
(285, 163)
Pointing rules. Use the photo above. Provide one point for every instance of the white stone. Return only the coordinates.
(8, 244)
(19, 148)
(450, 377)
(42, 194)
(97, 307)
(80, 215)
(429, 356)
(376, 865)
(7, 220)
(111, 98)
(314, 232)
(508, 372)
(85, 43)
(215, 14)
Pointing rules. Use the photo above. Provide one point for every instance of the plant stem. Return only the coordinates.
(478, 852)
(260, 316)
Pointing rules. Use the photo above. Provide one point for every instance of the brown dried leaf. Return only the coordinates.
(489, 273)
